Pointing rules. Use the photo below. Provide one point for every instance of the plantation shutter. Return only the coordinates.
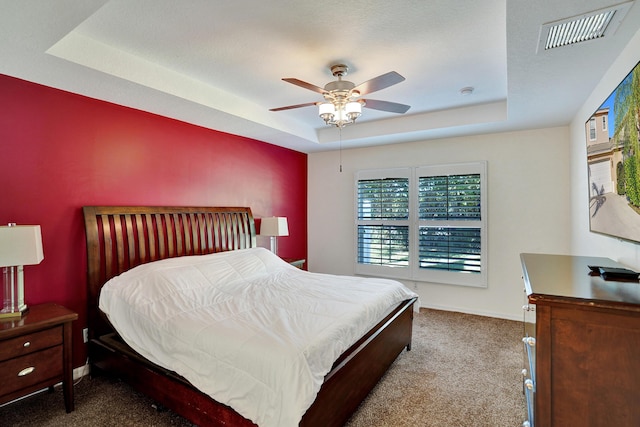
(382, 221)
(424, 223)
(448, 199)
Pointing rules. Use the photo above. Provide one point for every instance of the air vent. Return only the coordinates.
(589, 26)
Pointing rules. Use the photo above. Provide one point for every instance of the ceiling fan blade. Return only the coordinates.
(378, 83)
(392, 107)
(290, 107)
(305, 85)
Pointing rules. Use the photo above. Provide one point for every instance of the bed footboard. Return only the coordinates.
(360, 368)
(355, 374)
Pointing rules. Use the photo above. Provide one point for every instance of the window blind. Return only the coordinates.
(380, 203)
(450, 198)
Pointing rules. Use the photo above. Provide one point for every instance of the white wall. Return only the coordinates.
(528, 176)
(584, 242)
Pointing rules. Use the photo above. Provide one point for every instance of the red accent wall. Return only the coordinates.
(60, 151)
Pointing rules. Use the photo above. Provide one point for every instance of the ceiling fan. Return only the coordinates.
(343, 104)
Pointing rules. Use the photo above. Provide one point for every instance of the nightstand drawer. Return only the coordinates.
(35, 353)
(29, 343)
(31, 369)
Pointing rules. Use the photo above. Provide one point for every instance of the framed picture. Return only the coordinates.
(613, 162)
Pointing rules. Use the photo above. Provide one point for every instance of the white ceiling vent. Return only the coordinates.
(588, 26)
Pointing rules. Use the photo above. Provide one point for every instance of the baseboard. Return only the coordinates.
(80, 371)
(474, 312)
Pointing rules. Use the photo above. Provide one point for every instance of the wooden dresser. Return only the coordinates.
(35, 353)
(585, 367)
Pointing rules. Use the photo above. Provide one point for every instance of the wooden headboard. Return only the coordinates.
(122, 237)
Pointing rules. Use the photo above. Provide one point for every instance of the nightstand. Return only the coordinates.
(35, 353)
(296, 262)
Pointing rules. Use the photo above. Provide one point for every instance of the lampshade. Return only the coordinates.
(274, 226)
(20, 245)
(353, 107)
(326, 108)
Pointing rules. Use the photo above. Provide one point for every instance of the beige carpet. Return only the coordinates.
(463, 370)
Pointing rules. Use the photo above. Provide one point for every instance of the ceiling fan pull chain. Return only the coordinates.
(340, 130)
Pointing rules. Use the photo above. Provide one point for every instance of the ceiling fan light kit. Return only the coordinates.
(339, 113)
(342, 105)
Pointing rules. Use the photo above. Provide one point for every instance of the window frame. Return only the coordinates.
(593, 130)
(398, 272)
(413, 270)
(453, 277)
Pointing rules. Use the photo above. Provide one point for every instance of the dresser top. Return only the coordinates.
(557, 278)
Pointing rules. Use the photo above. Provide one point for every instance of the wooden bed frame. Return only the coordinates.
(122, 237)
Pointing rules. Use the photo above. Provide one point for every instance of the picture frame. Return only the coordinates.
(612, 136)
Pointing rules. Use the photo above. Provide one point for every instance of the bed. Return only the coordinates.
(120, 239)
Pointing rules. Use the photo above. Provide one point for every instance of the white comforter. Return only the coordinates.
(245, 327)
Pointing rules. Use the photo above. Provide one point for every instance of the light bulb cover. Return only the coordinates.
(326, 108)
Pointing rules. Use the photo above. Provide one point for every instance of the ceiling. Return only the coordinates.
(219, 64)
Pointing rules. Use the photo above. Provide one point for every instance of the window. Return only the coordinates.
(425, 223)
(604, 122)
(383, 220)
(592, 129)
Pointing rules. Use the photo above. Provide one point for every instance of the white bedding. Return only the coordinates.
(245, 327)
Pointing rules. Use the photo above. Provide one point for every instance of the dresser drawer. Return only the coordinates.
(29, 343)
(30, 369)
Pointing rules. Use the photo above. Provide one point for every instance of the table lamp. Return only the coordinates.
(274, 226)
(19, 245)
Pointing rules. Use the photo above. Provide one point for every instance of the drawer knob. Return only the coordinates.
(530, 341)
(26, 371)
(26, 344)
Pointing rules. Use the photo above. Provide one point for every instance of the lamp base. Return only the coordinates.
(10, 315)
(13, 298)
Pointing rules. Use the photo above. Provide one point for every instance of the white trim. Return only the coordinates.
(81, 371)
(483, 313)
(382, 174)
